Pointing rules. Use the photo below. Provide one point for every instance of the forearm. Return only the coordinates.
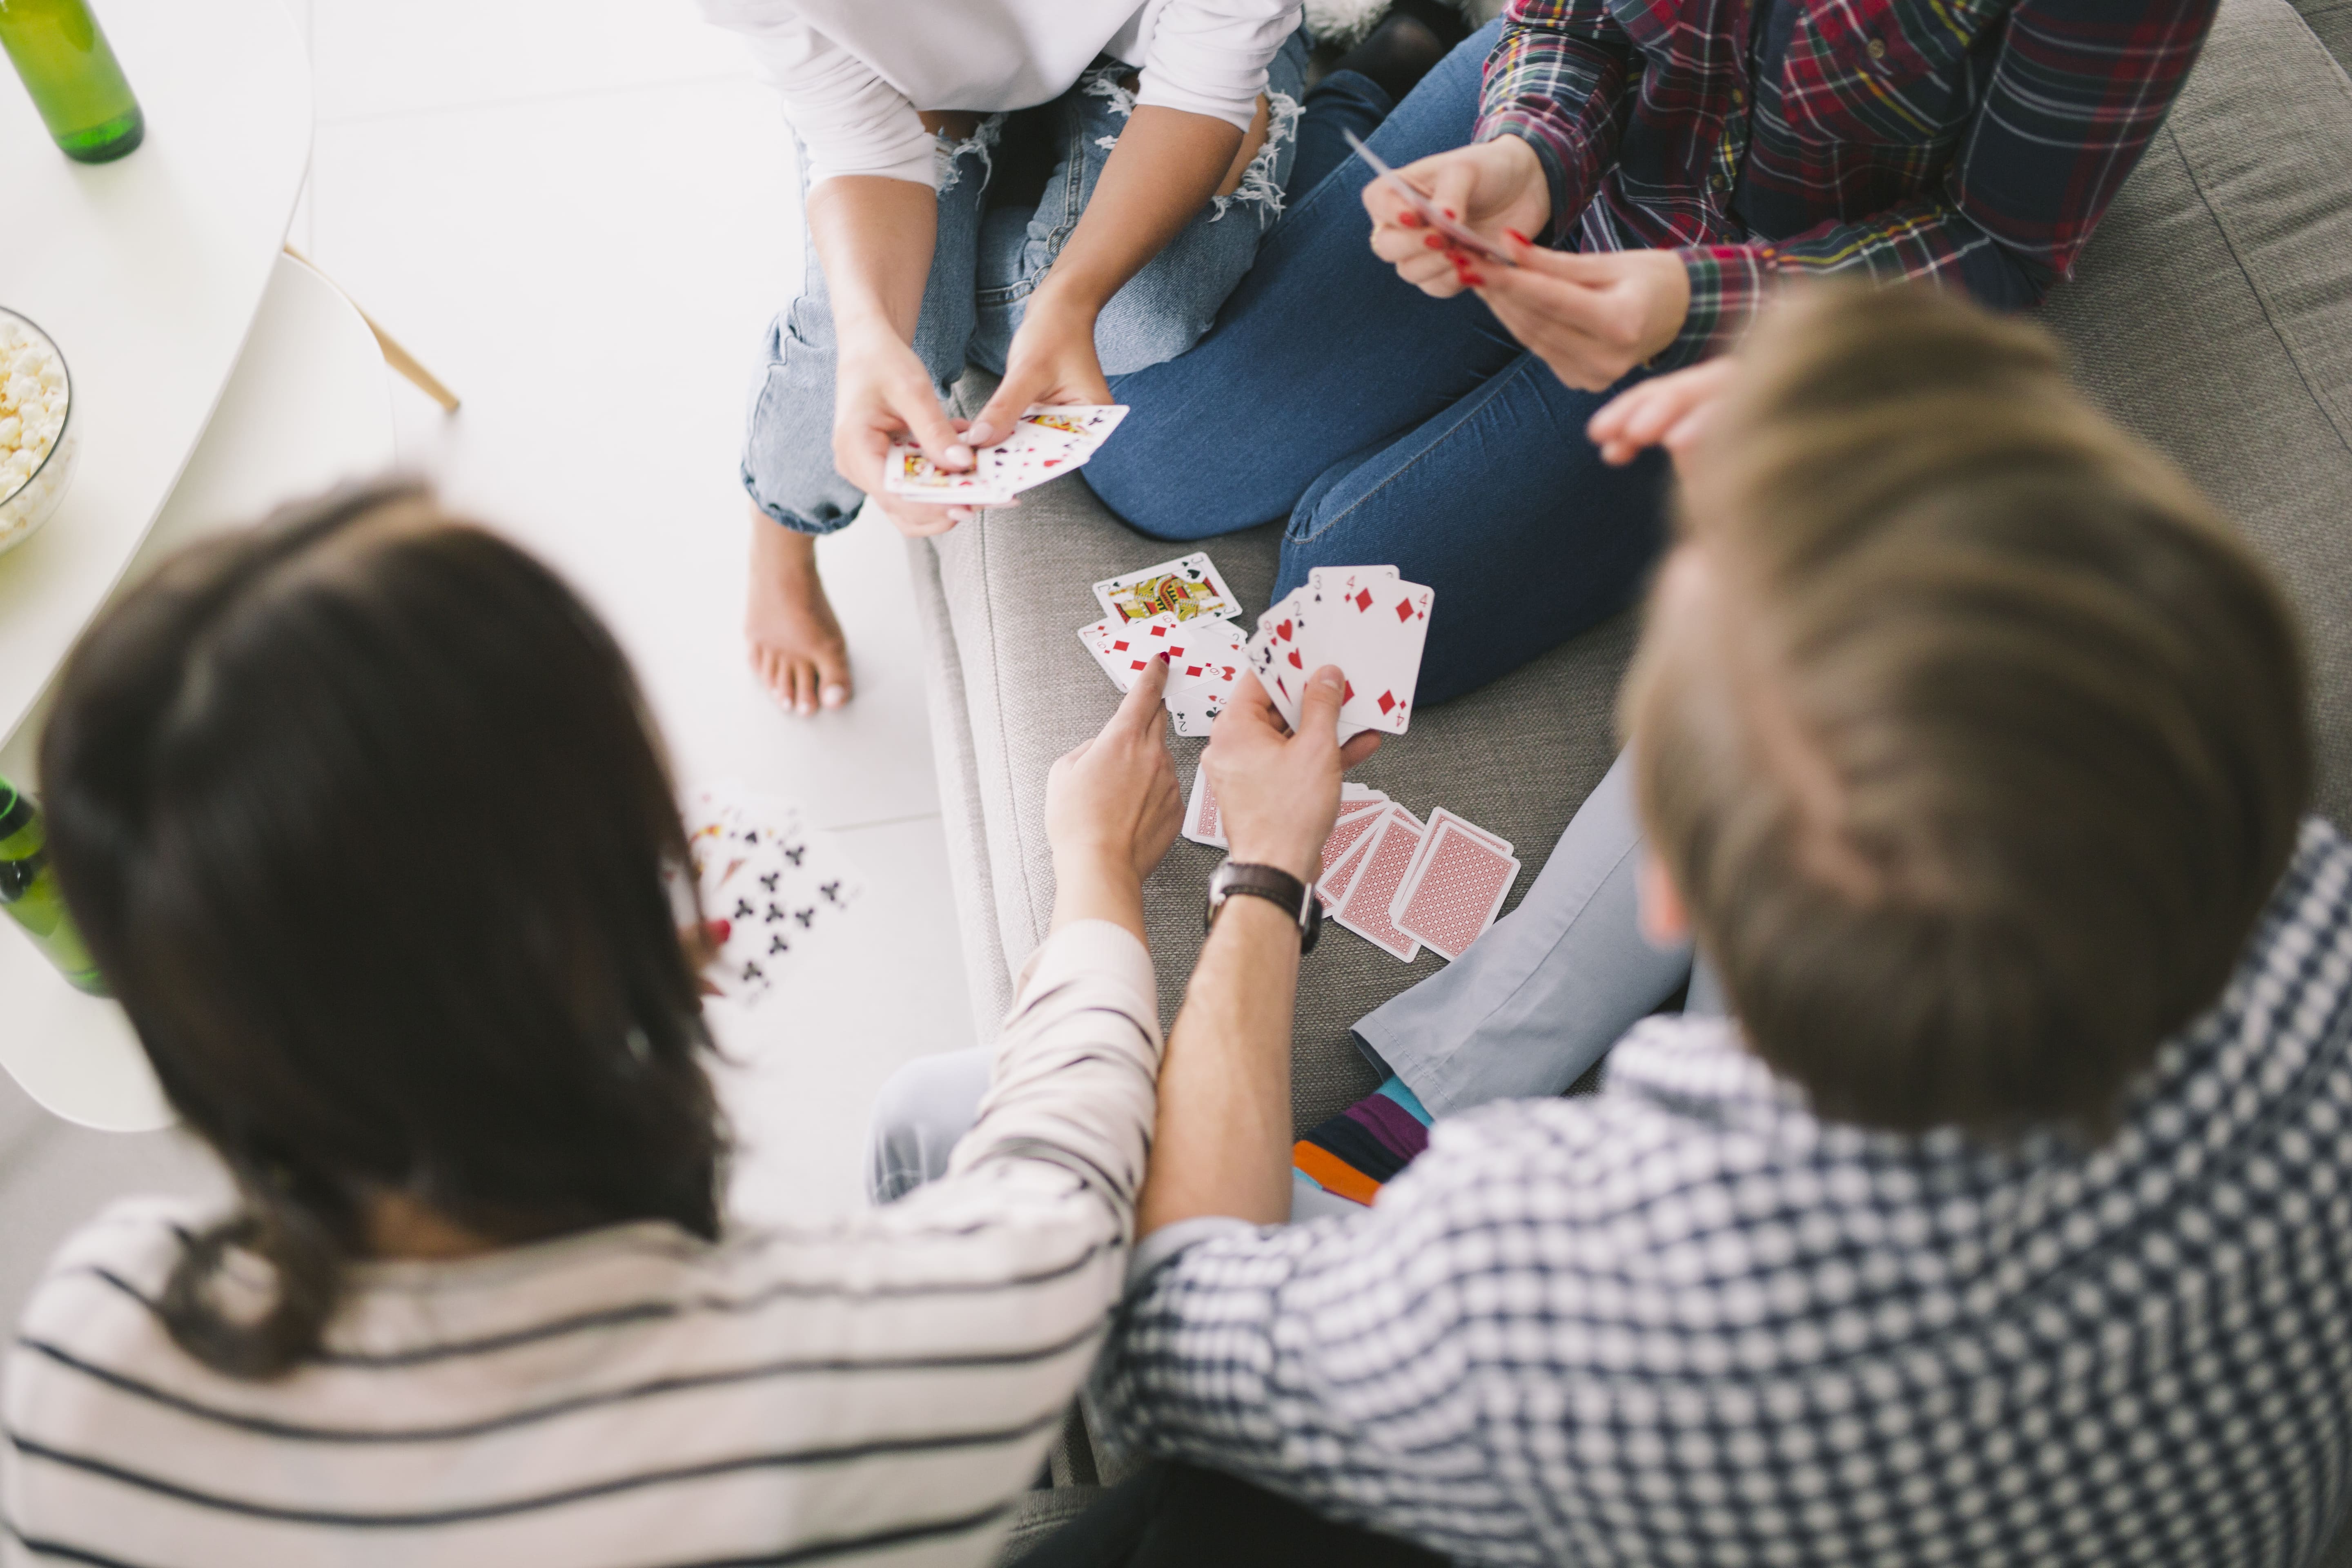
(874, 238)
(1166, 166)
(1556, 85)
(1098, 885)
(1223, 1140)
(1924, 238)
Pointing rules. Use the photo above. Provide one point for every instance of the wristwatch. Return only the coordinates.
(1273, 884)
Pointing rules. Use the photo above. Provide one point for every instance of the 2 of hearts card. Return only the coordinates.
(1046, 442)
(772, 887)
(1362, 619)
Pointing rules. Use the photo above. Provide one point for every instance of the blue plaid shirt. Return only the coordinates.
(1683, 1321)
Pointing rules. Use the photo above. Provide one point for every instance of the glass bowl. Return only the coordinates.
(27, 504)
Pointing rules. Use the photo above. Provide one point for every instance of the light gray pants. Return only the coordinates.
(1533, 1004)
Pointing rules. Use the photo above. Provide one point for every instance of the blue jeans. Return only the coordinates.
(1391, 428)
(987, 262)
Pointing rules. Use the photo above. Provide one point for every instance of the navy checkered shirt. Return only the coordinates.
(1683, 1321)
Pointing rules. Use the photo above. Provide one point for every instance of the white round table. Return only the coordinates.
(213, 377)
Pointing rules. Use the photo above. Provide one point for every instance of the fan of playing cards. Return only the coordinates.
(1046, 442)
(1393, 879)
(771, 887)
(1182, 609)
(1362, 619)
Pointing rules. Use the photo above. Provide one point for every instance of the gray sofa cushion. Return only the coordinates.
(2213, 313)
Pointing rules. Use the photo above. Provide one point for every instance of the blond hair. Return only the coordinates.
(1982, 745)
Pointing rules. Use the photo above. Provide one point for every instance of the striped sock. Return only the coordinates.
(1354, 1152)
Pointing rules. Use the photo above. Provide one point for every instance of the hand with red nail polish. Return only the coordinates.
(1488, 187)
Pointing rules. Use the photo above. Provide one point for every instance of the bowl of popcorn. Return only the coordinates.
(38, 440)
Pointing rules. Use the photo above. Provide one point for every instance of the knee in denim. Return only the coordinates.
(948, 154)
(1259, 191)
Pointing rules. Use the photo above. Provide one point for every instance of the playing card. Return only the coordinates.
(1046, 442)
(1080, 424)
(1332, 886)
(906, 472)
(1372, 627)
(771, 887)
(1456, 890)
(1432, 215)
(1365, 907)
(1203, 823)
(1441, 817)
(1186, 588)
(1273, 652)
(1353, 824)
(1125, 648)
(1350, 790)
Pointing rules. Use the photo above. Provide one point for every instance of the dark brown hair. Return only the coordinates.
(366, 824)
(1973, 740)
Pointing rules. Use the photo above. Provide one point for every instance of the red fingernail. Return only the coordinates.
(1522, 238)
(1452, 214)
(1473, 280)
(1432, 241)
(1408, 220)
(719, 930)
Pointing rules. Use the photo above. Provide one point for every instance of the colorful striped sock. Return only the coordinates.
(1354, 1152)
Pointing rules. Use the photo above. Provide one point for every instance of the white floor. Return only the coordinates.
(581, 215)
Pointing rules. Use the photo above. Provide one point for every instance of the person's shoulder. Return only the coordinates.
(1682, 1102)
(98, 1292)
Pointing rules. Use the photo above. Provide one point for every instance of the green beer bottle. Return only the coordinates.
(28, 890)
(70, 70)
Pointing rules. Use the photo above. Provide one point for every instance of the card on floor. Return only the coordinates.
(1354, 823)
(1186, 588)
(1455, 891)
(770, 885)
(1365, 909)
(1333, 885)
(1203, 822)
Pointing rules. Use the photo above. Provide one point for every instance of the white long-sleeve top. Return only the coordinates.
(854, 73)
(873, 1390)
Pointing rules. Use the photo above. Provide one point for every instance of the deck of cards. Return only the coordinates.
(1362, 619)
(770, 885)
(1183, 610)
(1046, 442)
(1400, 883)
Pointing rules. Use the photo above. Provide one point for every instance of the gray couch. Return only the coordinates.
(2213, 313)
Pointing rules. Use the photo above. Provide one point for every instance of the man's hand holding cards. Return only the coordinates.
(1181, 610)
(1362, 619)
(1046, 442)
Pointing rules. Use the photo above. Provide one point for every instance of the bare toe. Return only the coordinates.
(795, 641)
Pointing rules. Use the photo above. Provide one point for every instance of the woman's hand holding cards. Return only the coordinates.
(883, 392)
(1490, 186)
(1591, 319)
(1052, 361)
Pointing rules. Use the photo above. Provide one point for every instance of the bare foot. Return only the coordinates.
(794, 642)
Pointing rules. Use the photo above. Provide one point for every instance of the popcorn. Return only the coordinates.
(34, 395)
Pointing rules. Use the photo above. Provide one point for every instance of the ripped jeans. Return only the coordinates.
(987, 262)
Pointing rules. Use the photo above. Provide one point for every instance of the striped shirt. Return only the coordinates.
(1686, 1321)
(1976, 142)
(874, 1390)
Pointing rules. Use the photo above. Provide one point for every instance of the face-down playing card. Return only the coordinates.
(1455, 888)
(1365, 908)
